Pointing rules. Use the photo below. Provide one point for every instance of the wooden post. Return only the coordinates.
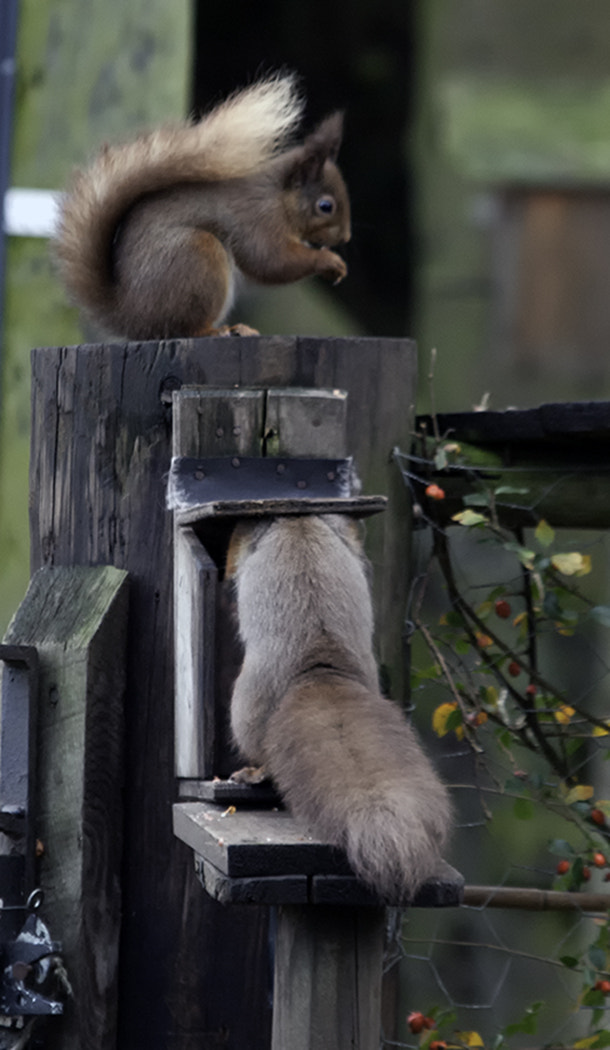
(76, 618)
(192, 973)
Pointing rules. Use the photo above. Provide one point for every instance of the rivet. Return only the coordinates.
(219, 432)
(199, 475)
(331, 475)
(236, 431)
(281, 468)
(235, 462)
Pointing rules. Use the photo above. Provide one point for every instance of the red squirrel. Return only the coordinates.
(150, 235)
(307, 711)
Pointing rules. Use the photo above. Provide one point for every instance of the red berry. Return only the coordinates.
(599, 860)
(415, 1022)
(483, 640)
(598, 817)
(530, 689)
(607, 877)
(503, 609)
(602, 986)
(438, 1044)
(562, 867)
(586, 874)
(514, 668)
(435, 492)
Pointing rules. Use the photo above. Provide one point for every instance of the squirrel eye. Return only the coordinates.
(326, 205)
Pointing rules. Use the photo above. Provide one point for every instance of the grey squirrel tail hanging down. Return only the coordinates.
(306, 706)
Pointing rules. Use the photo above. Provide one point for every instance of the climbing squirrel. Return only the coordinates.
(307, 709)
(151, 234)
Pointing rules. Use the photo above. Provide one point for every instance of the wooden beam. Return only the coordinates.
(76, 618)
(328, 964)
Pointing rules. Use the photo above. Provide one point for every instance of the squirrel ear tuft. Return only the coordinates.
(326, 138)
(307, 160)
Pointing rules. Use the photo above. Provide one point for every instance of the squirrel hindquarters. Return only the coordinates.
(150, 235)
(306, 705)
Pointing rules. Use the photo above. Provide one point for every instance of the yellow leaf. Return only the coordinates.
(598, 731)
(563, 714)
(580, 793)
(544, 533)
(469, 517)
(492, 695)
(572, 564)
(469, 1038)
(583, 1044)
(440, 718)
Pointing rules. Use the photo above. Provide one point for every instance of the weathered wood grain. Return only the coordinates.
(101, 450)
(327, 978)
(77, 620)
(195, 596)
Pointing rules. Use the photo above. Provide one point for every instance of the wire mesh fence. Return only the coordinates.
(510, 659)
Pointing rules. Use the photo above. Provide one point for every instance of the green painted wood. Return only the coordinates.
(77, 620)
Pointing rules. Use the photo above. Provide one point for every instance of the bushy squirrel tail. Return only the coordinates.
(350, 767)
(236, 139)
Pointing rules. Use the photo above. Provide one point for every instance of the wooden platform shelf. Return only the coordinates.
(267, 857)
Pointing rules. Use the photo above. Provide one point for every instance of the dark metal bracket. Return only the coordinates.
(239, 486)
(24, 945)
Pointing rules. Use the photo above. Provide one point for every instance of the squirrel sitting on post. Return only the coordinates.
(150, 235)
(307, 711)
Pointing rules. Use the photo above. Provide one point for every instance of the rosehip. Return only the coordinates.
(415, 1022)
(514, 668)
(602, 986)
(530, 689)
(483, 640)
(562, 867)
(438, 1044)
(598, 817)
(435, 492)
(502, 608)
(599, 860)
(586, 874)
(429, 1022)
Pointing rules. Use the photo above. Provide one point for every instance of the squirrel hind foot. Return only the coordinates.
(230, 329)
(250, 775)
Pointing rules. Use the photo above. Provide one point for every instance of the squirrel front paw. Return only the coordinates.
(331, 266)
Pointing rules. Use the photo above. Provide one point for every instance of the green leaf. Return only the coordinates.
(440, 459)
(510, 490)
(601, 613)
(544, 533)
(528, 1024)
(569, 960)
(593, 997)
(523, 809)
(561, 848)
(469, 518)
(476, 499)
(597, 958)
(525, 556)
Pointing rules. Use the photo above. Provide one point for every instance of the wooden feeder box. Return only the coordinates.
(247, 847)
